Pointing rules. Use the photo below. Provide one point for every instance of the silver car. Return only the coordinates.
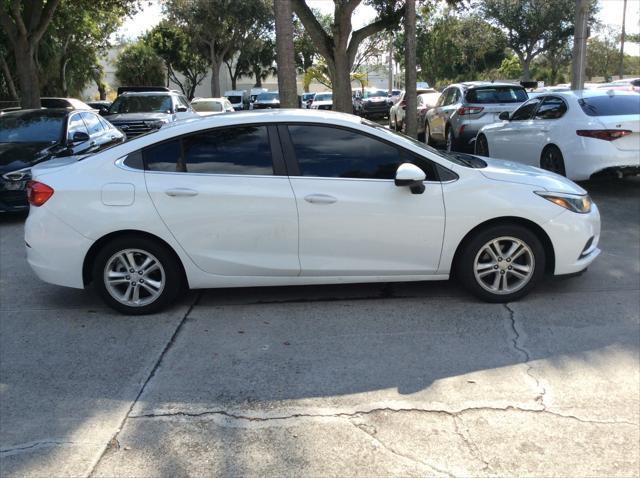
(464, 108)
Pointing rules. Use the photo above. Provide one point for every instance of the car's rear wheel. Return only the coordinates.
(501, 263)
(427, 134)
(552, 160)
(482, 146)
(136, 275)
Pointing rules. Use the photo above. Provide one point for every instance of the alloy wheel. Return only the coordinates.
(504, 265)
(134, 277)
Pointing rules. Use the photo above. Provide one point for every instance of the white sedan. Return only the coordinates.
(575, 134)
(292, 197)
(211, 106)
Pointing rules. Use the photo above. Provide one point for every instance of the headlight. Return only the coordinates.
(156, 124)
(572, 202)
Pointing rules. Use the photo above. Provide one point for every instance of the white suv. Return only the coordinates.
(298, 197)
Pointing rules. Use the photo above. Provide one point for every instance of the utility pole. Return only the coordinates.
(390, 62)
(579, 45)
(624, 15)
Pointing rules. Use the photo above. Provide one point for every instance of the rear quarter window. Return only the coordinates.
(611, 105)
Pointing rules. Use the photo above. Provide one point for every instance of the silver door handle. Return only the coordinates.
(181, 192)
(320, 199)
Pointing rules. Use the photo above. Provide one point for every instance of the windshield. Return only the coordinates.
(460, 159)
(323, 97)
(611, 105)
(207, 106)
(235, 99)
(268, 96)
(31, 128)
(497, 94)
(141, 104)
(374, 93)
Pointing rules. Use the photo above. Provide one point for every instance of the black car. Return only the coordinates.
(28, 137)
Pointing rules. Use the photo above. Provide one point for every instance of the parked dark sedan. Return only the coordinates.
(267, 100)
(28, 137)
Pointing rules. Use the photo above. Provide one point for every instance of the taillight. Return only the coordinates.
(469, 110)
(38, 193)
(606, 134)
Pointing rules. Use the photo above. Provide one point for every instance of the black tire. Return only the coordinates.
(450, 143)
(552, 160)
(169, 274)
(481, 147)
(474, 249)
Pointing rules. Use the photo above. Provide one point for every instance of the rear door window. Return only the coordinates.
(93, 124)
(526, 111)
(237, 150)
(497, 94)
(76, 124)
(551, 108)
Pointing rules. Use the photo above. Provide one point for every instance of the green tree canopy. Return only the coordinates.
(139, 65)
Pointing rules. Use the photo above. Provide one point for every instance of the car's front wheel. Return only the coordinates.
(501, 263)
(136, 275)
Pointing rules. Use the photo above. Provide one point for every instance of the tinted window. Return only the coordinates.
(611, 105)
(497, 94)
(141, 104)
(93, 124)
(268, 96)
(76, 124)
(235, 99)
(525, 112)
(26, 128)
(164, 156)
(134, 160)
(238, 150)
(323, 97)
(329, 152)
(551, 108)
(54, 103)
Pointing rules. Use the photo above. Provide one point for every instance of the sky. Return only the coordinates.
(610, 13)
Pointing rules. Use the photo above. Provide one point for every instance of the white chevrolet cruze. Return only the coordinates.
(290, 197)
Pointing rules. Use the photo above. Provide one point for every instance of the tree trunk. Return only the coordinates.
(411, 115)
(622, 35)
(8, 79)
(102, 90)
(257, 73)
(285, 58)
(27, 75)
(63, 77)
(579, 45)
(526, 74)
(341, 82)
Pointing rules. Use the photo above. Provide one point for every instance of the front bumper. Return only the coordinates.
(375, 108)
(575, 239)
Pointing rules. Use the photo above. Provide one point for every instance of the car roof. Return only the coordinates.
(149, 93)
(478, 84)
(195, 100)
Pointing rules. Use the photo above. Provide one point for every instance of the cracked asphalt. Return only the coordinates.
(413, 379)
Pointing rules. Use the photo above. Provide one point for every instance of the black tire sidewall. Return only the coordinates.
(465, 262)
(555, 150)
(174, 284)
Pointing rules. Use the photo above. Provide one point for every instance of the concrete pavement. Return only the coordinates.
(413, 379)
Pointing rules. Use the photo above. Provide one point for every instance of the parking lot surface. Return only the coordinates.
(413, 379)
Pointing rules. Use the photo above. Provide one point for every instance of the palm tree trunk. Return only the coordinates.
(410, 95)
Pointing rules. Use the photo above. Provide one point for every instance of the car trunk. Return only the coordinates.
(630, 142)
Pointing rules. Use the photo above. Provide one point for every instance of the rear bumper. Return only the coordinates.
(55, 251)
(13, 201)
(575, 239)
(595, 157)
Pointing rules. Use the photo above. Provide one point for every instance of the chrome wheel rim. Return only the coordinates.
(134, 277)
(504, 265)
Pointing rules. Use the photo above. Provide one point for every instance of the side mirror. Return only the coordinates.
(412, 176)
(504, 116)
(79, 137)
(181, 109)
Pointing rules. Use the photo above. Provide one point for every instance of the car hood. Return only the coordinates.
(509, 171)
(124, 117)
(14, 156)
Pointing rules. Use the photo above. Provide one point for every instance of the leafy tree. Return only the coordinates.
(532, 26)
(260, 58)
(174, 46)
(602, 52)
(510, 68)
(7, 86)
(139, 65)
(24, 22)
(219, 27)
(339, 46)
